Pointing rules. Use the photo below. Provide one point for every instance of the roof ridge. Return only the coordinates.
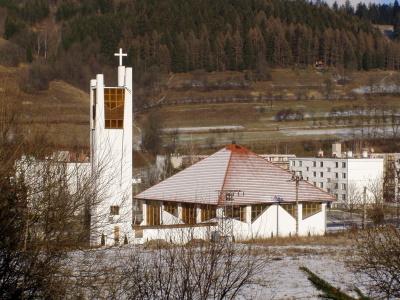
(224, 181)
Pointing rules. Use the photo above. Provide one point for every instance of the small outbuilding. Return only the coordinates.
(235, 194)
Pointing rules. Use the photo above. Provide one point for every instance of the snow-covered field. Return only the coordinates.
(281, 277)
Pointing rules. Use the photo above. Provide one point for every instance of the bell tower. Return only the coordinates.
(111, 120)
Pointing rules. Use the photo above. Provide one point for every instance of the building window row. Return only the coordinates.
(236, 212)
(208, 212)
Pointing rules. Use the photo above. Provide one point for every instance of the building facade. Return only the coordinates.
(343, 177)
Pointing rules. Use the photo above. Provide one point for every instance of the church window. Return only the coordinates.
(311, 208)
(208, 212)
(236, 212)
(114, 107)
(171, 208)
(114, 210)
(257, 210)
(116, 234)
(153, 213)
(290, 208)
(189, 213)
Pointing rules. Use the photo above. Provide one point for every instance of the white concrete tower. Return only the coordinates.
(111, 158)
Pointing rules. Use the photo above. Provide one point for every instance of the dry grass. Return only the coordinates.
(330, 239)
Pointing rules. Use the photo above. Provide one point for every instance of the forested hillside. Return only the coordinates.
(377, 13)
(75, 38)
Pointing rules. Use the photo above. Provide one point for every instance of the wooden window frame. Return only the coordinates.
(208, 212)
(311, 208)
(114, 104)
(171, 208)
(236, 212)
(189, 213)
(153, 213)
(257, 210)
(290, 208)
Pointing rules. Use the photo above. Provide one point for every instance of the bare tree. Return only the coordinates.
(394, 121)
(354, 199)
(375, 201)
(377, 256)
(44, 211)
(196, 270)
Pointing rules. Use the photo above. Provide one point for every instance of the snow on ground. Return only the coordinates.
(281, 278)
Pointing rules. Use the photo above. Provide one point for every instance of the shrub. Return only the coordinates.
(37, 78)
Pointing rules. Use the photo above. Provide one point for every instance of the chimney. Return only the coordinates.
(349, 154)
(364, 153)
(320, 153)
(337, 150)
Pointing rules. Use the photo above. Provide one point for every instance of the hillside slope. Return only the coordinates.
(60, 113)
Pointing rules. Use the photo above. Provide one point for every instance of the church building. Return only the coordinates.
(233, 194)
(111, 120)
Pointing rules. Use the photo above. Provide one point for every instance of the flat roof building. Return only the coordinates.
(342, 175)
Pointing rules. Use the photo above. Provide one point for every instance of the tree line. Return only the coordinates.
(377, 13)
(182, 36)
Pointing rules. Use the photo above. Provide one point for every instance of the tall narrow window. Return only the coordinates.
(208, 212)
(153, 213)
(116, 234)
(114, 107)
(189, 213)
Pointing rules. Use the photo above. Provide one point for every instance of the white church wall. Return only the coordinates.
(265, 225)
(111, 158)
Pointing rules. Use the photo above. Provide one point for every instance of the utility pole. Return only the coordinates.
(278, 200)
(396, 194)
(297, 178)
(226, 200)
(364, 216)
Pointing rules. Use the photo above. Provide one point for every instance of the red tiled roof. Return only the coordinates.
(233, 168)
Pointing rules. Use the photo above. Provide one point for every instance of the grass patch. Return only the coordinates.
(329, 291)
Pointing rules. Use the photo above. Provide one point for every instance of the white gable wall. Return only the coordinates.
(313, 225)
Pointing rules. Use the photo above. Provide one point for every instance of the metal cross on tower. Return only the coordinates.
(120, 54)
